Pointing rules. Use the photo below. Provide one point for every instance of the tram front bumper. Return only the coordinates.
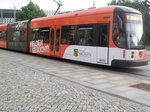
(129, 63)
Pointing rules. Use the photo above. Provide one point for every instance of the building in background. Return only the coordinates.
(49, 12)
(7, 15)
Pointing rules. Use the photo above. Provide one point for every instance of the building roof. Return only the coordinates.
(7, 13)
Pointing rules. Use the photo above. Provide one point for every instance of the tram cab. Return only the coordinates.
(127, 35)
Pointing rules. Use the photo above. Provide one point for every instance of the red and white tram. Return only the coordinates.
(107, 36)
(3, 32)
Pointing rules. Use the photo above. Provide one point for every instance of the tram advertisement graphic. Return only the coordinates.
(81, 53)
(38, 46)
(76, 52)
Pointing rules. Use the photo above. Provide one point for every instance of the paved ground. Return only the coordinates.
(24, 88)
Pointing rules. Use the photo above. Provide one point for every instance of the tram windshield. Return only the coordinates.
(134, 31)
(128, 30)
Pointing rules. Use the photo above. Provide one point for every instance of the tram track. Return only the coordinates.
(137, 72)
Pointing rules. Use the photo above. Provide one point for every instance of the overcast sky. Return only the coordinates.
(68, 5)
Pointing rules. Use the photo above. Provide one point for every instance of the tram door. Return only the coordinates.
(55, 41)
(102, 50)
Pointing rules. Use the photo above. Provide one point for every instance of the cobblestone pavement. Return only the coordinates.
(23, 89)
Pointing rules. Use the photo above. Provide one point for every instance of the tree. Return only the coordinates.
(144, 7)
(30, 11)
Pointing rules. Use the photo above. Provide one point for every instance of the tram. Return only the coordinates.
(109, 36)
(3, 32)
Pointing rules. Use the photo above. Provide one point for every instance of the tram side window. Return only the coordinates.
(118, 30)
(104, 35)
(19, 32)
(41, 34)
(68, 35)
(85, 35)
(2, 35)
(16, 34)
(22, 34)
(35, 34)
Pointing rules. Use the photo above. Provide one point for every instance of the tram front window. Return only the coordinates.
(128, 30)
(119, 30)
(134, 31)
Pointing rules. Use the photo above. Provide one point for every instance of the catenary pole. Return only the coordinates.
(94, 3)
(14, 12)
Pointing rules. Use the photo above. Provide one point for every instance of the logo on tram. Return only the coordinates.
(76, 52)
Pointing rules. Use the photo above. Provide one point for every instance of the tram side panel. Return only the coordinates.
(88, 42)
(39, 40)
(85, 37)
(3, 36)
(17, 36)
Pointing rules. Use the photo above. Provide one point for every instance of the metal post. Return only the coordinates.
(14, 12)
(59, 4)
(94, 3)
(1, 16)
(15, 15)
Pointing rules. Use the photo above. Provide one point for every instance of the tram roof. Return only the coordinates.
(108, 9)
(77, 13)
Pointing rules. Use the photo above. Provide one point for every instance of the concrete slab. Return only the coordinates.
(122, 88)
(111, 82)
(143, 100)
(103, 86)
(134, 93)
(98, 81)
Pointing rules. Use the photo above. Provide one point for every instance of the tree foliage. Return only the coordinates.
(30, 11)
(144, 7)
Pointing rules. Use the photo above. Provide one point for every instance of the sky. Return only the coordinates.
(68, 5)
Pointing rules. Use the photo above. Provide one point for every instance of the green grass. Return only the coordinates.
(147, 48)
